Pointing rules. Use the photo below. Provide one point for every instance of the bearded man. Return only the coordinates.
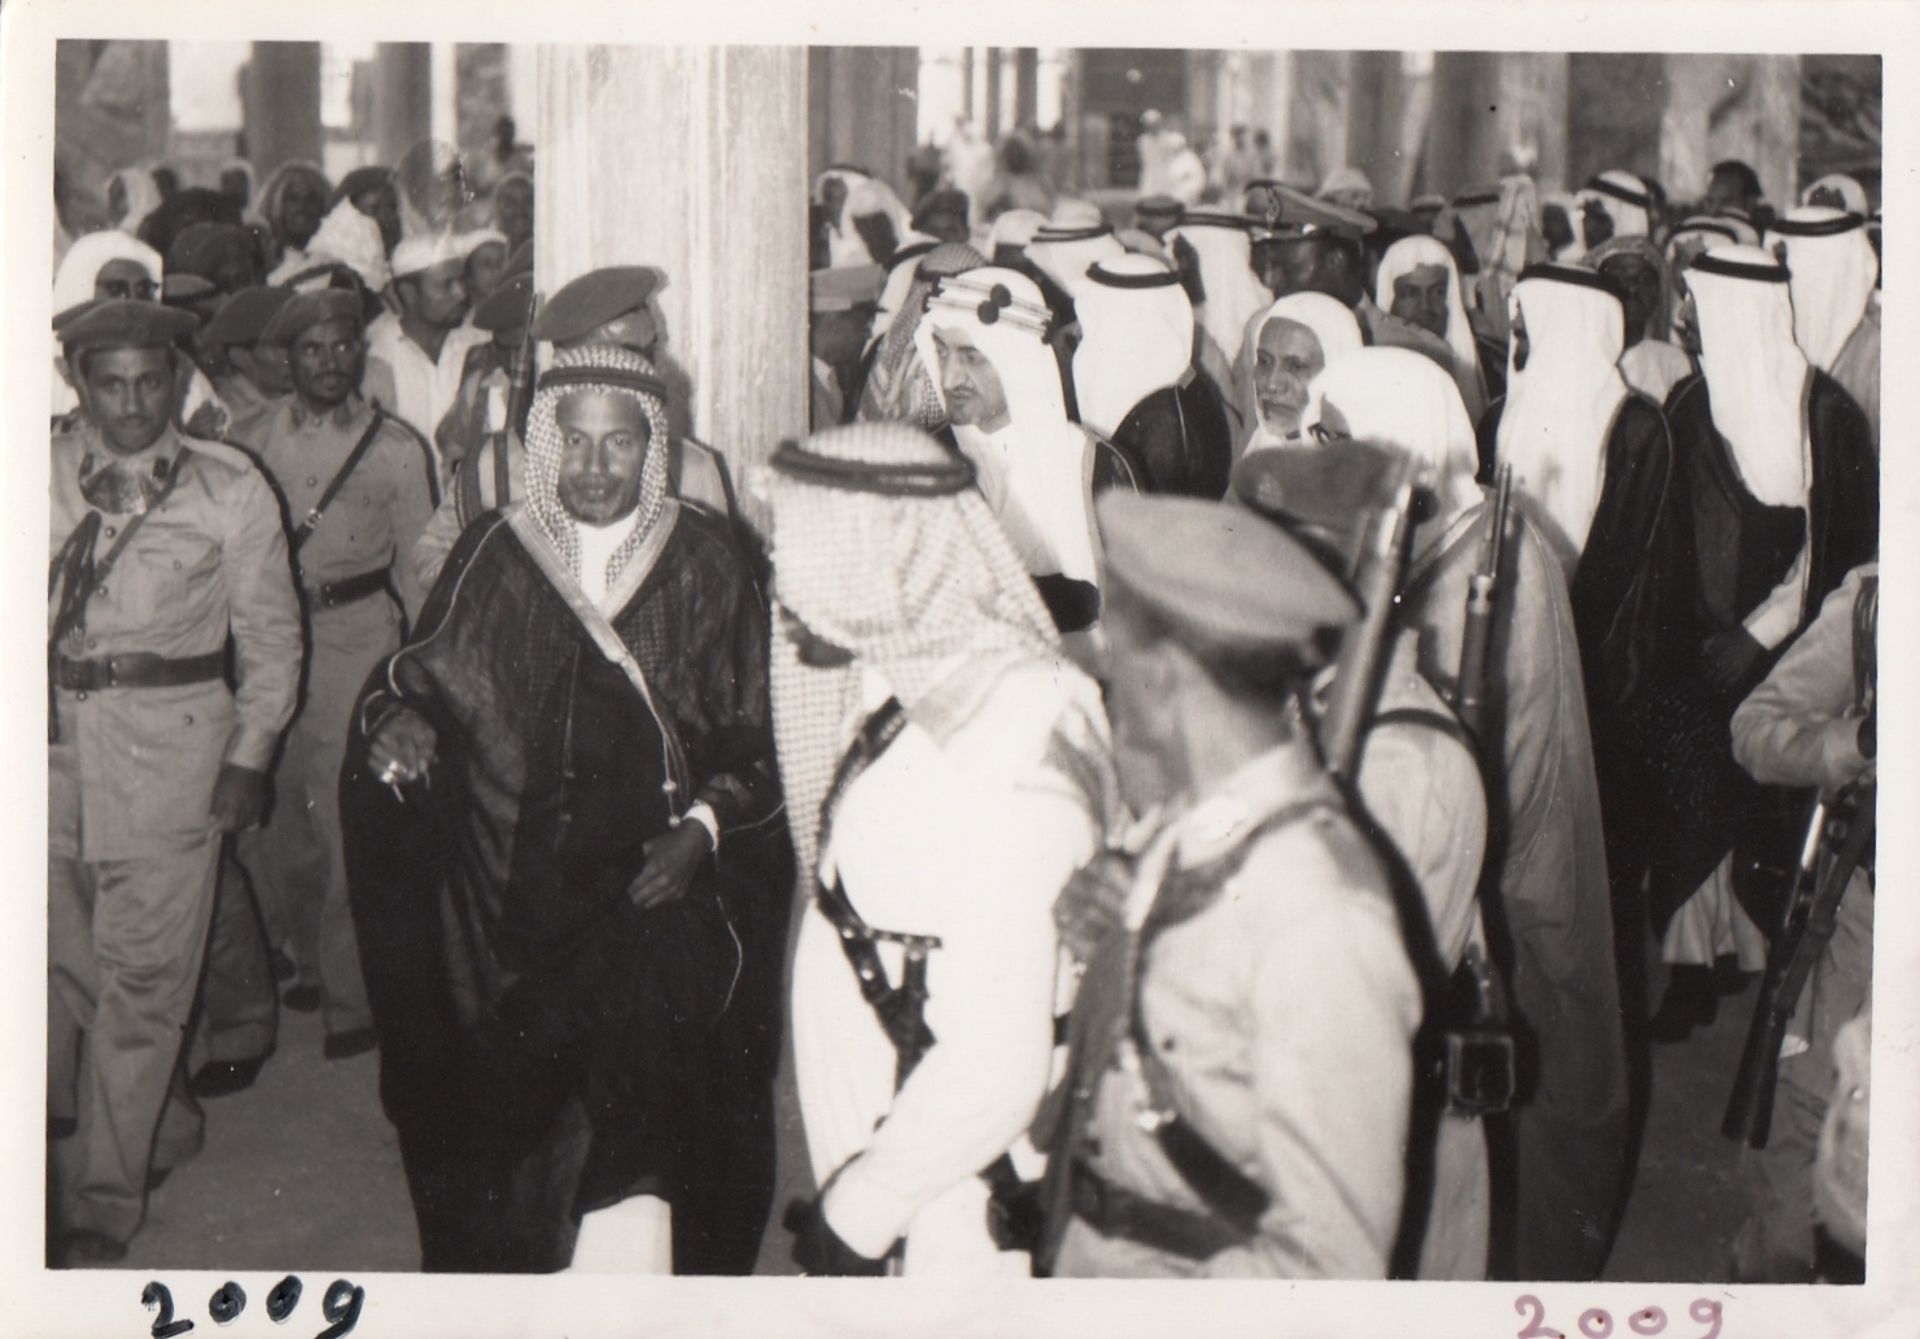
(552, 926)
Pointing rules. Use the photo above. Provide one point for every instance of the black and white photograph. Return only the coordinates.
(693, 653)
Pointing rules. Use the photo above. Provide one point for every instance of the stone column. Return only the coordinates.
(684, 159)
(402, 89)
(1719, 107)
(1026, 86)
(282, 97)
(860, 109)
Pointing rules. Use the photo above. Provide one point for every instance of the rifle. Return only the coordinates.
(520, 388)
(1356, 679)
(1470, 691)
(1837, 835)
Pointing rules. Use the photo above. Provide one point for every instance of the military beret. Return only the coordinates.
(846, 287)
(940, 204)
(596, 297)
(1330, 488)
(186, 288)
(124, 323)
(308, 309)
(243, 318)
(1220, 573)
(201, 247)
(508, 307)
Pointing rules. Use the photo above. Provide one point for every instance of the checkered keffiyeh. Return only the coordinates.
(627, 373)
(922, 587)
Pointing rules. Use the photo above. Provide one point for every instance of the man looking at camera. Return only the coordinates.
(551, 815)
(162, 546)
(358, 489)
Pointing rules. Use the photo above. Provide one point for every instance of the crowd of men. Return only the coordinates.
(1186, 757)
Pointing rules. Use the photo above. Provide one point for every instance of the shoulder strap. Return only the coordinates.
(305, 529)
(1229, 1193)
(1421, 569)
(73, 606)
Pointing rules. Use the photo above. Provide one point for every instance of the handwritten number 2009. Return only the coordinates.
(340, 1306)
(1598, 1324)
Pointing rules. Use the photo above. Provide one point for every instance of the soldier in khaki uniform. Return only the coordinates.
(358, 488)
(1242, 1045)
(162, 544)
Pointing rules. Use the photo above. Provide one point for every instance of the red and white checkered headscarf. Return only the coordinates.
(617, 371)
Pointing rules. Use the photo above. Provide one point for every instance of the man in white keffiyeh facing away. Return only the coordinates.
(1215, 256)
(1615, 204)
(558, 932)
(983, 337)
(946, 770)
(1836, 323)
(1135, 383)
(1777, 466)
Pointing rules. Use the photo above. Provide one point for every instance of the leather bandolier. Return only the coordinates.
(1108, 1032)
(1012, 1212)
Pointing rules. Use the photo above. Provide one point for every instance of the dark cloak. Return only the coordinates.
(1727, 553)
(548, 1049)
(1181, 439)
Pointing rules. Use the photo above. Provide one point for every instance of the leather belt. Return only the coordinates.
(138, 669)
(1114, 1211)
(333, 594)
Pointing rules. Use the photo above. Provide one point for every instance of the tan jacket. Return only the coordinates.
(1283, 1015)
(134, 770)
(378, 514)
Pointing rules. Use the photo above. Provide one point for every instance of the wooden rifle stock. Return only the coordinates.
(1837, 837)
(1356, 680)
(1470, 690)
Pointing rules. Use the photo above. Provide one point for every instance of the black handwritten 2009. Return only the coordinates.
(340, 1306)
(1597, 1322)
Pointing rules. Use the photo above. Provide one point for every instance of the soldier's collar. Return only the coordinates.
(1218, 820)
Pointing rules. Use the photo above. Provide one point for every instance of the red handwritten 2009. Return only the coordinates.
(1597, 1323)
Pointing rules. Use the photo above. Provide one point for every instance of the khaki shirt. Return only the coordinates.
(378, 514)
(134, 770)
(1282, 1015)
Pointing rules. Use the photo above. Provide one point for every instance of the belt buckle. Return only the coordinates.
(109, 677)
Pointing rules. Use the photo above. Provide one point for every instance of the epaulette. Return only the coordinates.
(223, 452)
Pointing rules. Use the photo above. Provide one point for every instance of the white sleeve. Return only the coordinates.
(990, 1009)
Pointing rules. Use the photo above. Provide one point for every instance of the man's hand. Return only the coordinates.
(402, 748)
(239, 798)
(672, 859)
(1093, 904)
(1729, 658)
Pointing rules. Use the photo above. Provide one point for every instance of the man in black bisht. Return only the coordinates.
(561, 922)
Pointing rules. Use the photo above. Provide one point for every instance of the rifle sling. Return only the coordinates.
(1229, 1193)
(360, 448)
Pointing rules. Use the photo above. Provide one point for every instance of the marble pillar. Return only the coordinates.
(690, 159)
(282, 96)
(402, 89)
(861, 109)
